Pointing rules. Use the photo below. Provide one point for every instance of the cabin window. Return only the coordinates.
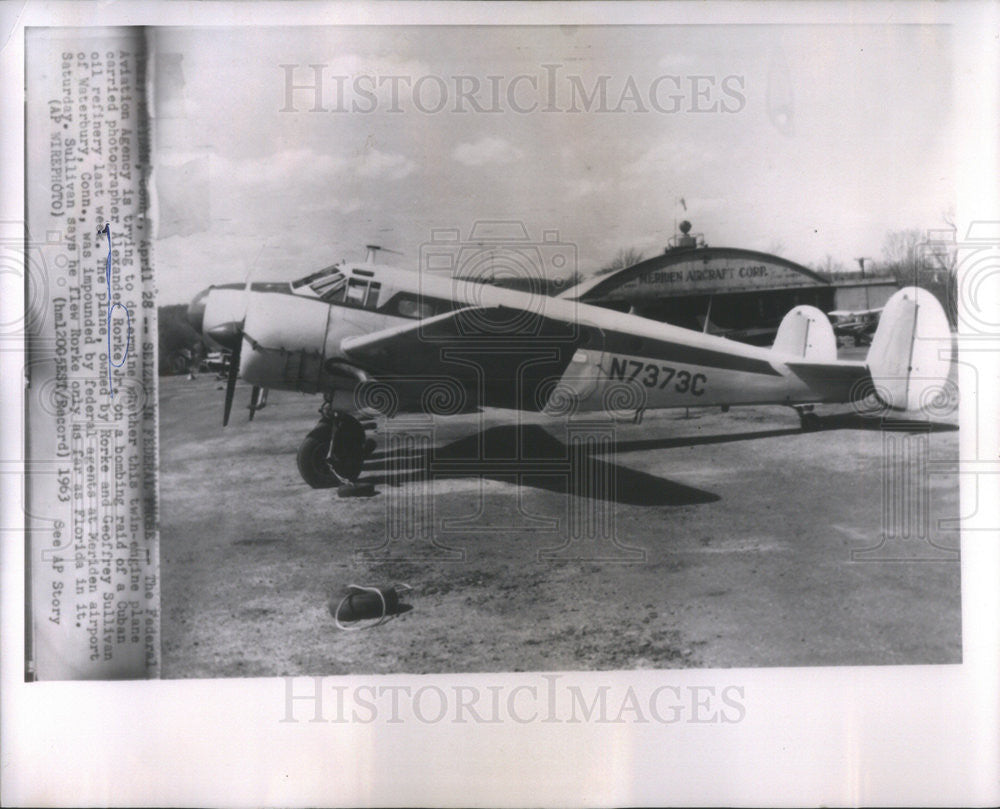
(330, 287)
(414, 307)
(362, 293)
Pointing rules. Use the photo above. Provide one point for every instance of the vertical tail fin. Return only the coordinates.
(910, 354)
(806, 333)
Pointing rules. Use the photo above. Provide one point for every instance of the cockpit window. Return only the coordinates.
(356, 291)
(330, 287)
(362, 293)
(315, 276)
(333, 286)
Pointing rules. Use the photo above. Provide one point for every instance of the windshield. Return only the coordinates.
(327, 284)
(315, 276)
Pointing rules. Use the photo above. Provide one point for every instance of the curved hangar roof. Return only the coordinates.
(696, 271)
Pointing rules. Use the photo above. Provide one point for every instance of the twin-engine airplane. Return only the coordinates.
(376, 339)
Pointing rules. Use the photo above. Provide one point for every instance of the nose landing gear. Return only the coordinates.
(333, 452)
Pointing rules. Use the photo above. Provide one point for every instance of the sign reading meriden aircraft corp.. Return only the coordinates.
(704, 271)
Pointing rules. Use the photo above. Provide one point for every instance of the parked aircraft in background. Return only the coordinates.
(858, 325)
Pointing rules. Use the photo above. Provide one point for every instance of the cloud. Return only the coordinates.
(341, 206)
(389, 165)
(669, 157)
(281, 170)
(308, 170)
(585, 187)
(487, 150)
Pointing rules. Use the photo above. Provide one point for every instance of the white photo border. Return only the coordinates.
(918, 735)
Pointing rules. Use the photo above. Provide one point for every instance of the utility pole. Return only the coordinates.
(861, 264)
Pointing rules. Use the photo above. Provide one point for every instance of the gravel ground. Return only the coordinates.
(730, 540)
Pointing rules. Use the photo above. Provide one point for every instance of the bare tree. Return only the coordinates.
(831, 269)
(625, 257)
(831, 266)
(903, 253)
(926, 259)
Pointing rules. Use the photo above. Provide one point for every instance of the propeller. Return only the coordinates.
(258, 400)
(234, 372)
(224, 330)
(236, 332)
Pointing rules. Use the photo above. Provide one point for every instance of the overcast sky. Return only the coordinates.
(805, 140)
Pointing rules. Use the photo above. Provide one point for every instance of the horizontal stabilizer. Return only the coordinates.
(838, 381)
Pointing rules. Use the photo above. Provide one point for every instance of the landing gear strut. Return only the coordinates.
(334, 451)
(808, 420)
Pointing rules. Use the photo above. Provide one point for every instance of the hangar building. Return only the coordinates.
(742, 294)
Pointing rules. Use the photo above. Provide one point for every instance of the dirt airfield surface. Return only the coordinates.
(735, 544)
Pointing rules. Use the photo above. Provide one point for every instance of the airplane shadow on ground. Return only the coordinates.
(840, 421)
(529, 455)
(855, 421)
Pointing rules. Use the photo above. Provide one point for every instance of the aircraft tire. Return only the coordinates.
(810, 422)
(312, 463)
(348, 448)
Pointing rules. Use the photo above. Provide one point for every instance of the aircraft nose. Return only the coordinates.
(196, 310)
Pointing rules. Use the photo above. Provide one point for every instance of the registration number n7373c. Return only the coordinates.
(657, 376)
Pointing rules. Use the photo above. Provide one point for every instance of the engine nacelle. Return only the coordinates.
(284, 338)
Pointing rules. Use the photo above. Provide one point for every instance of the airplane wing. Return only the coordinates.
(401, 348)
(507, 351)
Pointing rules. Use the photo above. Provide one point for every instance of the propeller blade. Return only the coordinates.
(234, 371)
(254, 400)
(234, 359)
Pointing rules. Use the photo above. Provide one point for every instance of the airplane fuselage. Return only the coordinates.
(515, 350)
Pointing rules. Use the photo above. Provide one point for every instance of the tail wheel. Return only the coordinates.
(312, 463)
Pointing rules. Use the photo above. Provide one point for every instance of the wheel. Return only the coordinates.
(311, 460)
(809, 421)
(348, 455)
